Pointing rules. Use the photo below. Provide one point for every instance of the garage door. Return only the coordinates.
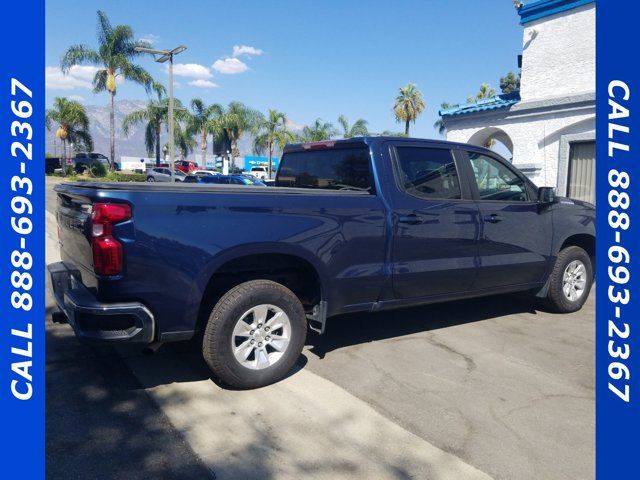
(582, 171)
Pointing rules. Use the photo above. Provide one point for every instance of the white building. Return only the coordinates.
(549, 126)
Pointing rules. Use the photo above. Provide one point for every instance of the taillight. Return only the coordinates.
(107, 250)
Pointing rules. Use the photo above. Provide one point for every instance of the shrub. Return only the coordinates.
(98, 170)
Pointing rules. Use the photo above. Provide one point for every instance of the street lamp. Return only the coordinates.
(164, 56)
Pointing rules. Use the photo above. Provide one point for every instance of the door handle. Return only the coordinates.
(411, 219)
(493, 218)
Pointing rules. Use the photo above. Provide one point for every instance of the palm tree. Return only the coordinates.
(183, 141)
(272, 132)
(358, 129)
(115, 53)
(318, 131)
(439, 124)
(155, 114)
(236, 120)
(73, 125)
(409, 105)
(485, 91)
(391, 133)
(198, 123)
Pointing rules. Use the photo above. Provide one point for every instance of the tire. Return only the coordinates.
(80, 168)
(151, 179)
(568, 260)
(236, 317)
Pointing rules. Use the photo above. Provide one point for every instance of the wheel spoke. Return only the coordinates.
(262, 359)
(243, 351)
(276, 321)
(260, 313)
(242, 329)
(280, 343)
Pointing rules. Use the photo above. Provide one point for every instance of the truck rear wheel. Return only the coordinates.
(570, 280)
(255, 334)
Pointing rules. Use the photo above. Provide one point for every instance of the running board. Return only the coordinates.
(318, 318)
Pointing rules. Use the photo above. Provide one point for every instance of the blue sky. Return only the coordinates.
(316, 59)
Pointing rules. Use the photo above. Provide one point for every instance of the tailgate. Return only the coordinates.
(74, 231)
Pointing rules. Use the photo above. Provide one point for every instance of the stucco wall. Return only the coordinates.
(559, 55)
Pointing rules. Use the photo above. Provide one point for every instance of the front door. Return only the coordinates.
(516, 234)
(435, 224)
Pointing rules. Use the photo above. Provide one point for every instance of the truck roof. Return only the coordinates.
(371, 139)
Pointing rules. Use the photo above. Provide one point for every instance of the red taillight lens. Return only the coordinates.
(107, 250)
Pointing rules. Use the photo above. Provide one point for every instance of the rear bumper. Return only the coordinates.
(95, 321)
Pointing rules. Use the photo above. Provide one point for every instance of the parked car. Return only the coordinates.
(185, 166)
(259, 172)
(83, 160)
(364, 224)
(232, 180)
(162, 174)
(204, 173)
(51, 164)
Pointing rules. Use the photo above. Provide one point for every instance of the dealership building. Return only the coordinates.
(549, 125)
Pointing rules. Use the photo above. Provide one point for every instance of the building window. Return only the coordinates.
(582, 171)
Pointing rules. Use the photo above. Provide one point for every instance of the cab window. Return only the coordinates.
(428, 172)
(496, 181)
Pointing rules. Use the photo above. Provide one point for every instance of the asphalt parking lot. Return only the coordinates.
(486, 388)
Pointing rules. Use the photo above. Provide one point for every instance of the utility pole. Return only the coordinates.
(164, 56)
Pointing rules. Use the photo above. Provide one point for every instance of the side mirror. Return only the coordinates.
(546, 194)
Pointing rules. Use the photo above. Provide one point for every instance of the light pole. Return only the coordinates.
(164, 56)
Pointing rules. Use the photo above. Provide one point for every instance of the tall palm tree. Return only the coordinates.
(198, 123)
(318, 131)
(439, 124)
(73, 124)
(272, 132)
(183, 141)
(358, 129)
(409, 105)
(236, 120)
(114, 56)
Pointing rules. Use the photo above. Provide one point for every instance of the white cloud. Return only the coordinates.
(191, 70)
(77, 98)
(200, 83)
(229, 66)
(79, 76)
(291, 125)
(150, 38)
(246, 50)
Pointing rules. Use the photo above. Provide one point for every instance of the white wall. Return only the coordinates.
(559, 55)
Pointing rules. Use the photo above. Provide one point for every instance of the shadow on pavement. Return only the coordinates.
(357, 328)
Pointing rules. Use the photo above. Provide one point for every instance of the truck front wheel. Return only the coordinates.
(255, 334)
(570, 280)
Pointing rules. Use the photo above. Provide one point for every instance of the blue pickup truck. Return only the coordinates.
(364, 224)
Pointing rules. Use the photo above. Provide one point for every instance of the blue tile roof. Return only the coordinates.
(544, 8)
(486, 104)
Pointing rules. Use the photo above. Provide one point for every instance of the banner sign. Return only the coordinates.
(618, 246)
(22, 240)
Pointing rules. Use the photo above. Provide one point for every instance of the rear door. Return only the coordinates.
(516, 232)
(435, 223)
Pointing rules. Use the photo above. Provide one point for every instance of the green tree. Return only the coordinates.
(199, 123)
(510, 83)
(318, 131)
(392, 133)
(115, 55)
(235, 121)
(409, 105)
(73, 125)
(358, 129)
(439, 124)
(485, 91)
(272, 133)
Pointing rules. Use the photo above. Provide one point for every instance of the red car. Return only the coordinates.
(185, 166)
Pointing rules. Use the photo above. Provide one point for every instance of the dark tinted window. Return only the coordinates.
(332, 168)
(428, 172)
(496, 181)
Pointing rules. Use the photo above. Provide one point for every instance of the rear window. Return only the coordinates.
(330, 169)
